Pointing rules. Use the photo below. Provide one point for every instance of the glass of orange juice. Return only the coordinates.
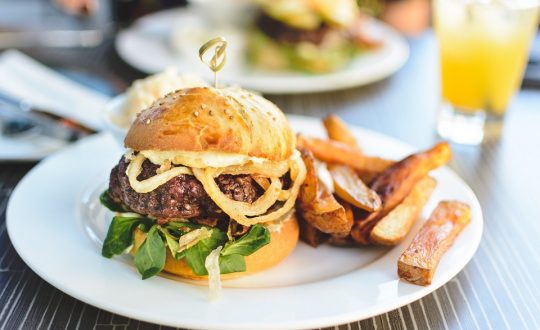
(483, 48)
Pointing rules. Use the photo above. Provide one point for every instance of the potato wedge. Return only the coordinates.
(342, 241)
(419, 261)
(349, 187)
(348, 210)
(337, 130)
(310, 188)
(396, 225)
(318, 206)
(338, 152)
(326, 214)
(311, 235)
(367, 177)
(396, 182)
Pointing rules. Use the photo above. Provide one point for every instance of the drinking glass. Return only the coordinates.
(483, 49)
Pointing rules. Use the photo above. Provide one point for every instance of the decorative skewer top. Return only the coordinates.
(217, 62)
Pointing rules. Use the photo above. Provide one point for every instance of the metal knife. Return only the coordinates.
(22, 110)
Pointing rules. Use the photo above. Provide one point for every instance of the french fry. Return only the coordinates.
(341, 240)
(318, 206)
(310, 234)
(348, 210)
(419, 261)
(349, 187)
(310, 188)
(396, 182)
(327, 215)
(396, 225)
(337, 130)
(338, 152)
(367, 176)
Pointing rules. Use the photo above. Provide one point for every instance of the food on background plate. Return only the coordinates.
(205, 188)
(419, 261)
(143, 92)
(393, 227)
(307, 35)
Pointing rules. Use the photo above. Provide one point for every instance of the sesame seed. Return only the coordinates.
(211, 113)
(196, 113)
(147, 121)
(226, 111)
(203, 106)
(230, 117)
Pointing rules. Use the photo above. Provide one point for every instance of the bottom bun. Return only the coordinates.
(282, 243)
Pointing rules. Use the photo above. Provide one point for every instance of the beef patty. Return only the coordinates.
(180, 197)
(286, 34)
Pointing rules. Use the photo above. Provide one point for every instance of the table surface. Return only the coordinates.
(497, 289)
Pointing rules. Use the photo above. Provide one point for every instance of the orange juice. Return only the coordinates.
(483, 51)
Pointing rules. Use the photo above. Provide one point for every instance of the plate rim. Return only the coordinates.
(302, 324)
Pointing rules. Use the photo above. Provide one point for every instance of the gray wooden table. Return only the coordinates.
(499, 288)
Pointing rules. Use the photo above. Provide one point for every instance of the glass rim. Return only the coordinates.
(512, 4)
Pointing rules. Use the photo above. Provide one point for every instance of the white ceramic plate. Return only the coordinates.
(56, 225)
(148, 46)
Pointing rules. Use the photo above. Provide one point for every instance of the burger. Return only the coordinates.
(207, 186)
(315, 36)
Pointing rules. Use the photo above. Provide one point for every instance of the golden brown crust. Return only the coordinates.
(417, 264)
(229, 120)
(282, 243)
(394, 226)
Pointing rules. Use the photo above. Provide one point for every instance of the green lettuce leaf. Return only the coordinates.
(172, 242)
(108, 202)
(120, 234)
(150, 258)
(257, 237)
(196, 255)
(232, 263)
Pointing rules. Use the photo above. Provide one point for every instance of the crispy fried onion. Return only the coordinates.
(267, 175)
(267, 169)
(166, 172)
(248, 214)
(135, 167)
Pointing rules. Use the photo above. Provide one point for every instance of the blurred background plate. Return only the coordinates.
(172, 38)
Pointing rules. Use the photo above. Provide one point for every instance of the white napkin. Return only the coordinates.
(23, 77)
